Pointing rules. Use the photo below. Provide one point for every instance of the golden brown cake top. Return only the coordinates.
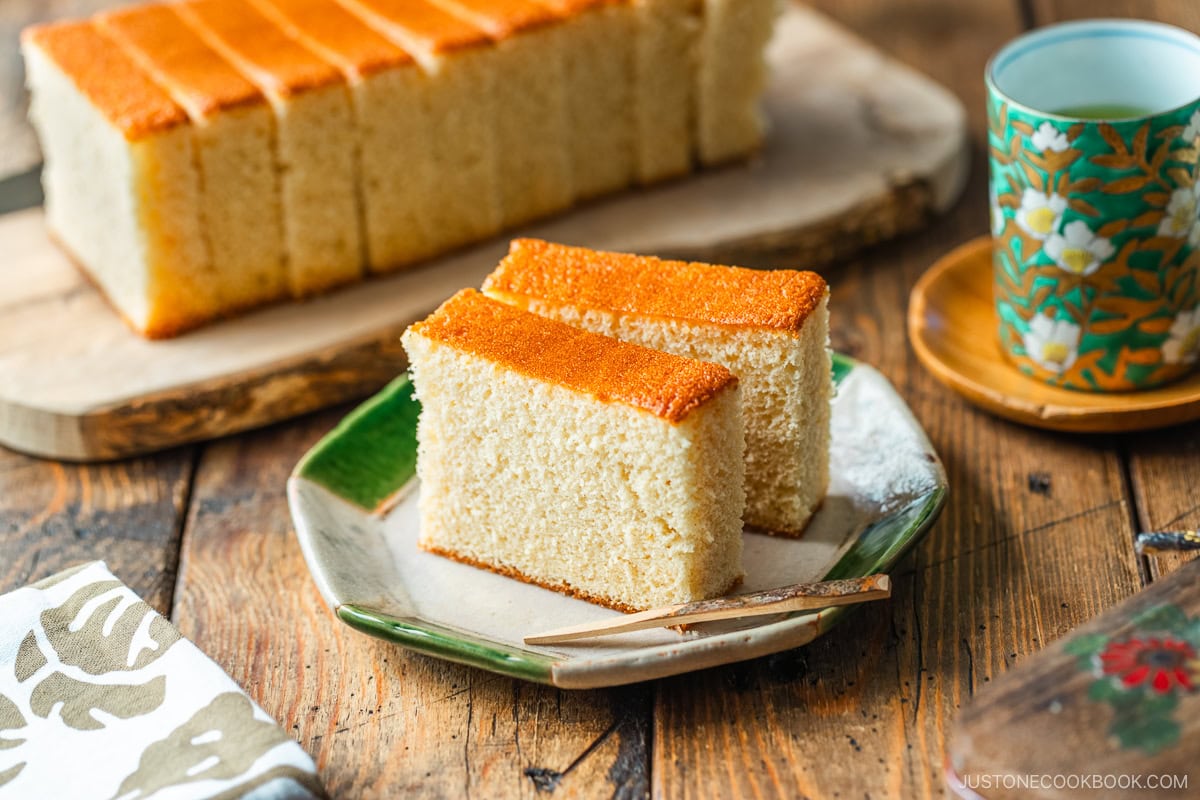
(418, 24)
(608, 369)
(166, 47)
(336, 35)
(108, 77)
(258, 47)
(500, 18)
(568, 8)
(734, 297)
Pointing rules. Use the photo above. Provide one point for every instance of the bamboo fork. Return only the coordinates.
(798, 597)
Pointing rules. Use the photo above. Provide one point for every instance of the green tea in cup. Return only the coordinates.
(1104, 111)
(1093, 140)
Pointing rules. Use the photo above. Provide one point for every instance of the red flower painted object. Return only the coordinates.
(1160, 663)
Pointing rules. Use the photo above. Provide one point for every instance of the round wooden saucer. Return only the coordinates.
(952, 327)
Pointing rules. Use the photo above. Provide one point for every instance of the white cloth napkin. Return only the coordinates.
(100, 697)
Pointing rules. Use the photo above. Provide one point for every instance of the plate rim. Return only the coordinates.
(446, 642)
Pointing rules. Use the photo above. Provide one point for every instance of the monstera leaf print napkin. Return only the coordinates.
(100, 697)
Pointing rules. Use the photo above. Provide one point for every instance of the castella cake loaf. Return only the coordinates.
(313, 143)
(575, 461)
(769, 327)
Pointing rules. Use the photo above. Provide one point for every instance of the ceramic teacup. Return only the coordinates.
(1093, 137)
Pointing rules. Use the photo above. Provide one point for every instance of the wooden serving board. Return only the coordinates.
(860, 150)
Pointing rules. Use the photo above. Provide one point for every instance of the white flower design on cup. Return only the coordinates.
(1052, 344)
(1194, 232)
(1048, 137)
(1180, 217)
(996, 212)
(1077, 249)
(1039, 213)
(1192, 131)
(1183, 340)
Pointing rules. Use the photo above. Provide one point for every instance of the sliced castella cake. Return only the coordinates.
(122, 191)
(578, 462)
(314, 136)
(664, 81)
(769, 327)
(390, 94)
(234, 130)
(530, 103)
(731, 75)
(457, 58)
(598, 64)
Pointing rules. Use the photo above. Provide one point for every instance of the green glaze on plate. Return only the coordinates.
(887, 488)
(841, 368)
(452, 645)
(371, 453)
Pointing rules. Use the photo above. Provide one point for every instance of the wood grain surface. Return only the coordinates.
(1035, 540)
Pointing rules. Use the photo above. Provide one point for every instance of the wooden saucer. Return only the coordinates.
(952, 327)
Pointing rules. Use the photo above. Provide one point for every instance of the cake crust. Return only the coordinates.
(608, 369)
(158, 39)
(500, 18)
(108, 77)
(337, 35)
(435, 30)
(735, 297)
(572, 7)
(562, 588)
(246, 36)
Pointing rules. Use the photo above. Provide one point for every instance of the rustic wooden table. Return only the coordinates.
(1037, 537)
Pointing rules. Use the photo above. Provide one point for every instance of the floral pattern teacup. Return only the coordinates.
(1093, 139)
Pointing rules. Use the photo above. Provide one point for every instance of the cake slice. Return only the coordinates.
(394, 134)
(769, 327)
(665, 68)
(530, 104)
(598, 70)
(731, 74)
(235, 141)
(122, 191)
(464, 201)
(314, 137)
(575, 461)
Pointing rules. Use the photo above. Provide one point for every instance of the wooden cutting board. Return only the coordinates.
(1115, 703)
(860, 150)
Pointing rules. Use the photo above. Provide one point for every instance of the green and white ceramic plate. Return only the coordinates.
(353, 499)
